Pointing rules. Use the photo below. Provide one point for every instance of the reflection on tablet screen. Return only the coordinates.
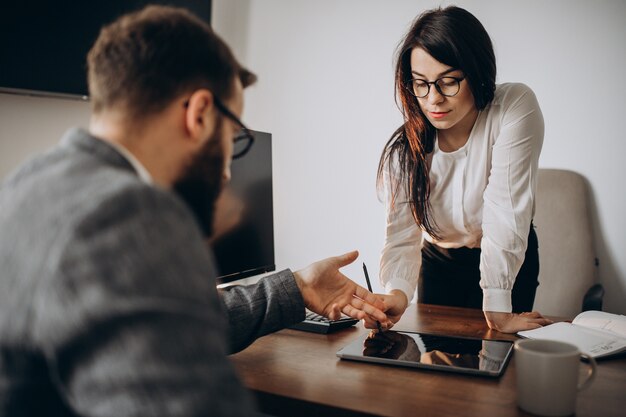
(425, 350)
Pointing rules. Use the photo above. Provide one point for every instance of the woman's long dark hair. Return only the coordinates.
(454, 37)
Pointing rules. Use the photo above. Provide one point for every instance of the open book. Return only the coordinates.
(596, 333)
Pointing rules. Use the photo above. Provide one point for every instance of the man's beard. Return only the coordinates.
(201, 183)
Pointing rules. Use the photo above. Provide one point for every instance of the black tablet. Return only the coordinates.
(428, 351)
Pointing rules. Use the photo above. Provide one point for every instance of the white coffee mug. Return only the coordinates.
(547, 376)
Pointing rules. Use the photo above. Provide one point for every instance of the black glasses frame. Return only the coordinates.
(244, 133)
(436, 84)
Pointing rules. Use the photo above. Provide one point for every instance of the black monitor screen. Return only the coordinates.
(44, 44)
(243, 239)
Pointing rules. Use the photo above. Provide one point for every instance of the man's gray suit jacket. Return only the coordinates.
(108, 300)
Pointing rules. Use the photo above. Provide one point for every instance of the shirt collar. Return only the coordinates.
(138, 166)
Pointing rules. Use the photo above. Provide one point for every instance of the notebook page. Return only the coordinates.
(613, 323)
(593, 342)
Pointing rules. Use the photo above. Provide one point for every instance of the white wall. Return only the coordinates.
(32, 124)
(326, 94)
(325, 91)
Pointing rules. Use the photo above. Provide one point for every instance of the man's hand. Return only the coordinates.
(395, 305)
(328, 292)
(513, 323)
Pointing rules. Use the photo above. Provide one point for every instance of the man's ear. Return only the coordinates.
(199, 117)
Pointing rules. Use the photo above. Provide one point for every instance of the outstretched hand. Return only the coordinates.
(513, 322)
(328, 292)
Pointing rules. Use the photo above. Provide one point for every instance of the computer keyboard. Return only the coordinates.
(313, 322)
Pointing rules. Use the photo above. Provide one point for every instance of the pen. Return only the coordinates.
(369, 287)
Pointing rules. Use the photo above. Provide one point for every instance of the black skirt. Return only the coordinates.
(451, 277)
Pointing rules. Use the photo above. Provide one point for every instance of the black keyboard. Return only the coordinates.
(320, 324)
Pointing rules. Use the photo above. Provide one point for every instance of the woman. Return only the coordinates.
(459, 178)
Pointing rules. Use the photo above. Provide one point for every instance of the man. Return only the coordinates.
(108, 303)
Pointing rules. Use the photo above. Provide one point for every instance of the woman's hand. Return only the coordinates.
(395, 305)
(513, 322)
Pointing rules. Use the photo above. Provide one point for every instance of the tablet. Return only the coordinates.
(429, 351)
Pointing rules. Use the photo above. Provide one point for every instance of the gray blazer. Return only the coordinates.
(108, 300)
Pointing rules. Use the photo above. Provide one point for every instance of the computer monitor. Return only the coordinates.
(243, 241)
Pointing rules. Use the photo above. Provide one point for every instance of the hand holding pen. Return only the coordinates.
(369, 287)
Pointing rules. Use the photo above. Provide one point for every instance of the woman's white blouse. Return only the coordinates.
(482, 195)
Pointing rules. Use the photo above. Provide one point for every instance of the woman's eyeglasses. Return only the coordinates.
(446, 86)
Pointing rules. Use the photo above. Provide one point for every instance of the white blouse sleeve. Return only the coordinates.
(401, 255)
(509, 198)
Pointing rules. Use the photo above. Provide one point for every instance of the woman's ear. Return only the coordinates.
(199, 117)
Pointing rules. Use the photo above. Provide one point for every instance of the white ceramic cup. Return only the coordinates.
(547, 376)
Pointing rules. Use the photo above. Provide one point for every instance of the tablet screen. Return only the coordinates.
(421, 350)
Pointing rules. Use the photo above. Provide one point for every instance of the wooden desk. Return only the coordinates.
(296, 373)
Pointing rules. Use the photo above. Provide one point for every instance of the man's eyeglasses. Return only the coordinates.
(446, 86)
(243, 140)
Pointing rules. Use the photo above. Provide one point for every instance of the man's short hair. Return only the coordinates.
(145, 59)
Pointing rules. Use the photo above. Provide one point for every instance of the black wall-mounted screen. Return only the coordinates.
(44, 44)
(244, 226)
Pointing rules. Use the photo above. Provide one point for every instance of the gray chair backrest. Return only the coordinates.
(567, 267)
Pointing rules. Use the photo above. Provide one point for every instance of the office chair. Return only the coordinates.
(567, 258)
